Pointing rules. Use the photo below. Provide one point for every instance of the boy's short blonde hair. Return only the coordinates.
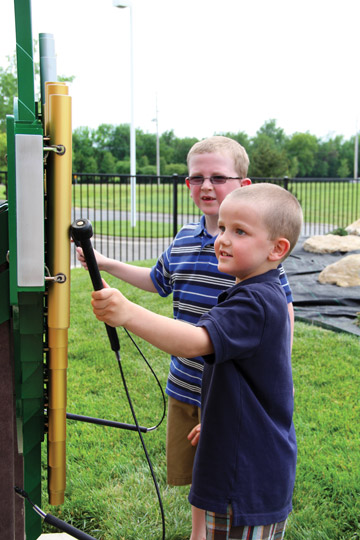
(222, 144)
(280, 210)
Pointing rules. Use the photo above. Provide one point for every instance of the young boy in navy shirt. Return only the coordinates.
(188, 270)
(244, 469)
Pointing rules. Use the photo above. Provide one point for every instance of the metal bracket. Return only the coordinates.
(57, 148)
(58, 278)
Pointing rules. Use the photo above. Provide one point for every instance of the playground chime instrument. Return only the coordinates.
(39, 216)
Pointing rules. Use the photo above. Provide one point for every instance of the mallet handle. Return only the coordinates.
(81, 231)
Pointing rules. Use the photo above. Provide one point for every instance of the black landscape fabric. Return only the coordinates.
(327, 305)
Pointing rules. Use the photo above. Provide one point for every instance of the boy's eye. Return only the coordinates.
(240, 232)
(196, 180)
(218, 179)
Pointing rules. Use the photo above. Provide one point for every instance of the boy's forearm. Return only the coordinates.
(137, 276)
(174, 337)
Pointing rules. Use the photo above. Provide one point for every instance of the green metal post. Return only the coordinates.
(25, 64)
(26, 298)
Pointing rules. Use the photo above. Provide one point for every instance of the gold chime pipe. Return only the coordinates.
(58, 181)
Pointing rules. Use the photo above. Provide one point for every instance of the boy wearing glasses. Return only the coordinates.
(188, 270)
(244, 469)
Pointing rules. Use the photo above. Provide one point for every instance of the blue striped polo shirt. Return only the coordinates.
(188, 270)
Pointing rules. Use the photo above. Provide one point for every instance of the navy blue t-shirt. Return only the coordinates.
(246, 455)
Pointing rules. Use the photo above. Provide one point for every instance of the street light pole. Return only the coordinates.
(356, 155)
(124, 4)
(157, 144)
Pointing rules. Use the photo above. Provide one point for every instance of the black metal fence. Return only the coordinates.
(163, 205)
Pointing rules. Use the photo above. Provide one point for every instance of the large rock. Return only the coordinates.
(329, 243)
(354, 228)
(344, 273)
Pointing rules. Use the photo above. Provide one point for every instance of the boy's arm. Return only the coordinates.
(174, 337)
(137, 276)
(292, 321)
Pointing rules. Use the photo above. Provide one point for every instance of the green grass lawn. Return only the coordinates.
(110, 493)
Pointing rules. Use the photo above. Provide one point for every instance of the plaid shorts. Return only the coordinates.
(218, 527)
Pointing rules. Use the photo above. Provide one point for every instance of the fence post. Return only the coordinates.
(175, 204)
(286, 183)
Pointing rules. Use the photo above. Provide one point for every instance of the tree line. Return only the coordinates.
(272, 153)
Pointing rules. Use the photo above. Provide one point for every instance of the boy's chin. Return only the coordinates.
(224, 269)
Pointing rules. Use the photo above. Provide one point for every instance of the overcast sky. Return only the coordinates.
(213, 66)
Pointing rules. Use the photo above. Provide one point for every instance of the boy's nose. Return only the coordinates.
(206, 184)
(225, 239)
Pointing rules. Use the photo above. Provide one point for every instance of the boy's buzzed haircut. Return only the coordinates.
(281, 211)
(222, 144)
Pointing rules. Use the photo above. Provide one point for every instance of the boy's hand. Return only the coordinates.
(100, 259)
(194, 435)
(110, 306)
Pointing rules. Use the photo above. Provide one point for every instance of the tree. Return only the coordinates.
(3, 164)
(119, 144)
(176, 168)
(274, 133)
(114, 139)
(328, 158)
(181, 148)
(304, 147)
(122, 167)
(343, 170)
(106, 163)
(146, 147)
(266, 158)
(167, 147)
(347, 151)
(8, 90)
(84, 159)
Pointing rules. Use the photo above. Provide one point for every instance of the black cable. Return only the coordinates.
(54, 521)
(156, 378)
(143, 444)
(81, 231)
(102, 422)
(120, 425)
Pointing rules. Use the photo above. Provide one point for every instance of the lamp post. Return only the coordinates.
(356, 155)
(157, 145)
(125, 4)
(356, 151)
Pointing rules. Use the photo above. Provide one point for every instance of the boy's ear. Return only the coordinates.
(245, 182)
(280, 249)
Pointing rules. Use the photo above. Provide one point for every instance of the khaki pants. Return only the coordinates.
(182, 418)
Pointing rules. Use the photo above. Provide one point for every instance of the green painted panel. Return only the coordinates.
(25, 64)
(4, 270)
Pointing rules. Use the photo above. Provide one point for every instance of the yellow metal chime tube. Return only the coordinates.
(58, 186)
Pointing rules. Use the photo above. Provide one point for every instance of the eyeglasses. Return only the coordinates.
(216, 179)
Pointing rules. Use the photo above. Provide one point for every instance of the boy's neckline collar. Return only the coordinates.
(201, 228)
(271, 275)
